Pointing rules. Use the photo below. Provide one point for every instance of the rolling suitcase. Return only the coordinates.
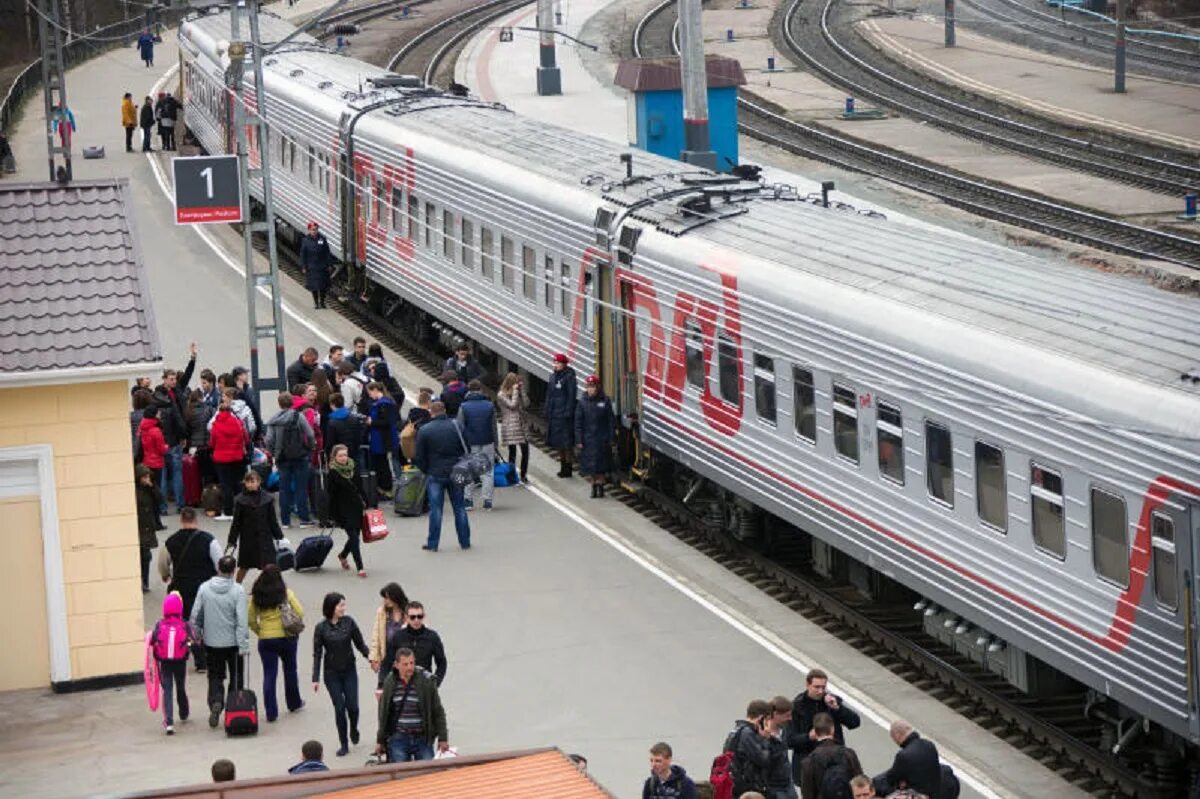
(241, 706)
(370, 483)
(193, 487)
(285, 559)
(313, 551)
(410, 492)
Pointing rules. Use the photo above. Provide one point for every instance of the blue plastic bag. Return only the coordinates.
(505, 474)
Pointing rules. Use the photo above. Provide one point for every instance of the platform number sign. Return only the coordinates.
(506, 34)
(207, 189)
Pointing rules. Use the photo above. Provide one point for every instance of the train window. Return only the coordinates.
(727, 370)
(548, 291)
(414, 216)
(564, 291)
(1045, 491)
(889, 428)
(485, 253)
(694, 352)
(1110, 550)
(506, 262)
(468, 244)
(588, 311)
(311, 162)
(397, 207)
(528, 273)
(804, 404)
(764, 387)
(378, 214)
(448, 235)
(991, 490)
(627, 244)
(429, 223)
(939, 462)
(1162, 541)
(292, 155)
(845, 422)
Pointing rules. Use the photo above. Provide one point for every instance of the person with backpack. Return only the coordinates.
(384, 435)
(220, 620)
(666, 780)
(826, 772)
(346, 505)
(170, 641)
(277, 618)
(255, 528)
(186, 560)
(148, 498)
(353, 386)
(477, 418)
(742, 765)
(290, 440)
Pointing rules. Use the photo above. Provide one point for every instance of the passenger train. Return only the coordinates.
(1014, 439)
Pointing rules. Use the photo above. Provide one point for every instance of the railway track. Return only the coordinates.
(994, 201)
(430, 52)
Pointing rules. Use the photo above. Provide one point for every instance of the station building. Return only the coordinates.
(75, 326)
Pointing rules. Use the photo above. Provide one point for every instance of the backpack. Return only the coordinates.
(721, 776)
(292, 446)
(170, 639)
(363, 406)
(835, 782)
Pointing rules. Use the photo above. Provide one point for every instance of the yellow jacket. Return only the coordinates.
(129, 114)
(267, 622)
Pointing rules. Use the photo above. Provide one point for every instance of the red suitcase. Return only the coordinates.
(193, 487)
(374, 525)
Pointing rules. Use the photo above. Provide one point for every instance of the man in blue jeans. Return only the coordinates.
(439, 447)
(290, 440)
(170, 398)
(411, 716)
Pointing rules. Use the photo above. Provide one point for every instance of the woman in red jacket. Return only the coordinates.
(227, 438)
(154, 446)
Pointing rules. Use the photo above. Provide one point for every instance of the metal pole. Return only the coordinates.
(696, 143)
(1119, 65)
(549, 79)
(54, 90)
(950, 23)
(249, 109)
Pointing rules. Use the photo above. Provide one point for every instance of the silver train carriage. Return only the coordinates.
(1016, 440)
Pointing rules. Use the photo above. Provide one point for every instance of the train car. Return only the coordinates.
(1015, 440)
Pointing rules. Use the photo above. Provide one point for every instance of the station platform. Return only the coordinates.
(571, 622)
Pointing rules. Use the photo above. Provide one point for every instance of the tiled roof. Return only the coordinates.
(73, 291)
(545, 774)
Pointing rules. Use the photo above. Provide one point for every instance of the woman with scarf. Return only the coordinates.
(346, 504)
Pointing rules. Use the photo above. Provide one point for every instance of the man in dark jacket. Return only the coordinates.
(916, 765)
(411, 716)
(826, 756)
(312, 752)
(300, 372)
(666, 781)
(454, 391)
(751, 754)
(187, 560)
(315, 260)
(247, 394)
(477, 418)
(169, 398)
(561, 395)
(425, 643)
(465, 367)
(290, 440)
(815, 699)
(779, 768)
(346, 427)
(439, 447)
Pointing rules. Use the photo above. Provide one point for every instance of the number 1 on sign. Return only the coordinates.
(206, 173)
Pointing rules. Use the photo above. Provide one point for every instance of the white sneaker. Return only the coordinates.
(222, 518)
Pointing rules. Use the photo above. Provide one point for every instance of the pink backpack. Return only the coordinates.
(170, 639)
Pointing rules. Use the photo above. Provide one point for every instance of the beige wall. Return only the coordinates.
(88, 427)
(27, 664)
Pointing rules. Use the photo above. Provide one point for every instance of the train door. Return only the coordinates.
(1174, 553)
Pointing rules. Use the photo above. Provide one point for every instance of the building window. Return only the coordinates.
(764, 387)
(548, 289)
(397, 207)
(889, 427)
(804, 404)
(1045, 492)
(694, 352)
(564, 290)
(727, 369)
(506, 262)
(485, 253)
(1110, 550)
(448, 235)
(414, 216)
(468, 244)
(845, 422)
(991, 487)
(1162, 542)
(939, 462)
(429, 224)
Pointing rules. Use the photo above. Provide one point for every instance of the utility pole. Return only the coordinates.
(950, 23)
(54, 90)
(248, 109)
(549, 78)
(1119, 65)
(694, 73)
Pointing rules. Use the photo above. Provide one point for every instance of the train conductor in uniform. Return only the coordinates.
(316, 260)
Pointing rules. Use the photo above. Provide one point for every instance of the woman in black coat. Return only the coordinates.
(346, 504)
(595, 427)
(560, 412)
(255, 527)
(315, 259)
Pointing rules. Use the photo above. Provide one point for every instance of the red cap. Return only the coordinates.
(560, 357)
(312, 225)
(592, 380)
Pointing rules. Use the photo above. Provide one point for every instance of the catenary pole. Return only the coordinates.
(1119, 64)
(696, 147)
(549, 78)
(54, 91)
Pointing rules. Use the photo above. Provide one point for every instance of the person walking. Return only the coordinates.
(145, 46)
(148, 499)
(411, 716)
(595, 428)
(389, 617)
(424, 641)
(315, 260)
(666, 780)
(439, 446)
(146, 121)
(275, 643)
(186, 560)
(384, 435)
(514, 421)
(334, 642)
(346, 505)
(220, 617)
(560, 412)
(228, 441)
(290, 440)
(170, 640)
(129, 120)
(255, 528)
(477, 418)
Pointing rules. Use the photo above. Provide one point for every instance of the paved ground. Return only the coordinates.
(571, 622)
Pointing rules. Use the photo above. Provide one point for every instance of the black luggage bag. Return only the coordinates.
(313, 551)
